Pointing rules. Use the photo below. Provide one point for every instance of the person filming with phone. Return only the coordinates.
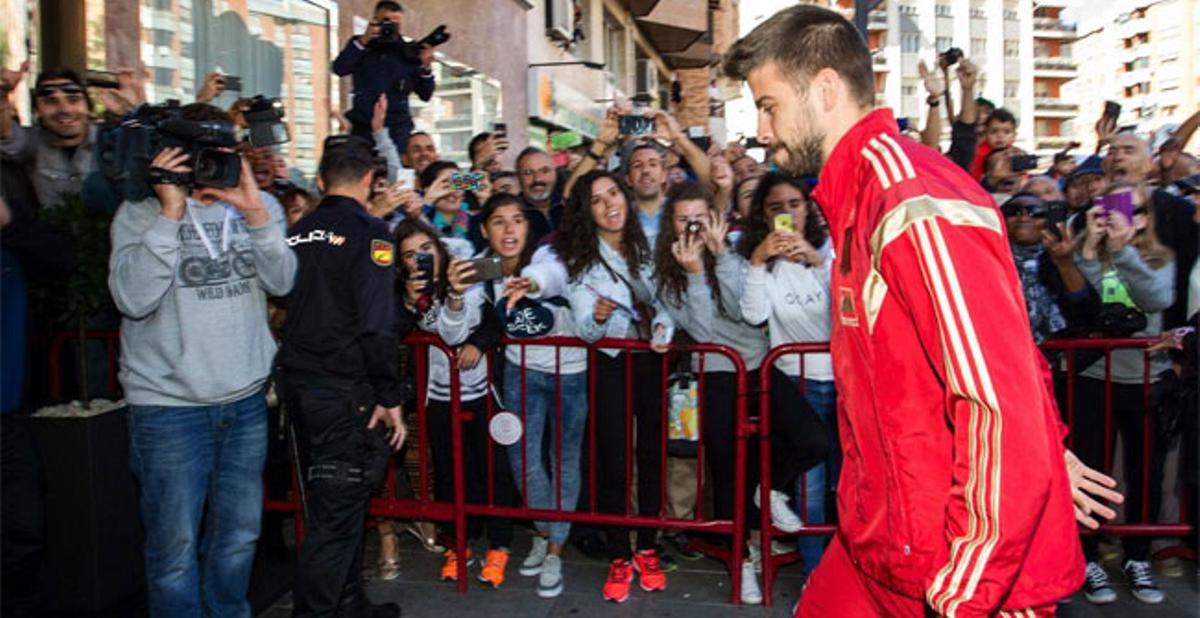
(382, 62)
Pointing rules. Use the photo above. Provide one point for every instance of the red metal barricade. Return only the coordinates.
(1065, 354)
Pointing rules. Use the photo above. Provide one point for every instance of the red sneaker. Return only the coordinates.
(650, 573)
(620, 577)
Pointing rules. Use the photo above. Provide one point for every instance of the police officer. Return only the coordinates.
(338, 368)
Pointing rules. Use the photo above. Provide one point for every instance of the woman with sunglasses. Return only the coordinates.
(786, 288)
(690, 258)
(1121, 256)
(610, 286)
(546, 386)
(433, 289)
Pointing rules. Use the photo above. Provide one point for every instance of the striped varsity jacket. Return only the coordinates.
(954, 486)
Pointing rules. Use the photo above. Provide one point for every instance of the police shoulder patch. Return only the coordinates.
(383, 252)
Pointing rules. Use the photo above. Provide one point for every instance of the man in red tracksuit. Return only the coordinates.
(956, 491)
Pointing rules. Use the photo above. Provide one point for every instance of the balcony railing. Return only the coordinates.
(1053, 24)
(1052, 142)
(1057, 63)
(1054, 104)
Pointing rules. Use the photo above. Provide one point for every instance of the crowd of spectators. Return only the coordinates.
(630, 236)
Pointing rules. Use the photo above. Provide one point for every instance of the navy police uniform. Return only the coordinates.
(338, 361)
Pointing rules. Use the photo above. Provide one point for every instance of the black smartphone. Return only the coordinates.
(1056, 213)
(232, 83)
(636, 125)
(1112, 109)
(500, 128)
(754, 143)
(425, 270)
(950, 57)
(486, 269)
(902, 123)
(1024, 163)
(694, 228)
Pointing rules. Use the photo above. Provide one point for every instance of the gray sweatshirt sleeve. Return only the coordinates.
(20, 145)
(274, 260)
(583, 307)
(387, 148)
(698, 309)
(455, 326)
(731, 269)
(755, 305)
(1152, 290)
(145, 253)
(549, 273)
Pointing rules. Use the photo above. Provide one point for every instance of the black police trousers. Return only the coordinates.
(343, 464)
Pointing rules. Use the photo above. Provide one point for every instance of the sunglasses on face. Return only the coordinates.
(1037, 211)
(48, 90)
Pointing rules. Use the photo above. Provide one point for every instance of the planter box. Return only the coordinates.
(93, 555)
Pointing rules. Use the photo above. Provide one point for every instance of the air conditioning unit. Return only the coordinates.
(560, 19)
(647, 77)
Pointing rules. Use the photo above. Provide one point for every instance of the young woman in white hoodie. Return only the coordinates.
(786, 288)
(544, 385)
(610, 284)
(440, 306)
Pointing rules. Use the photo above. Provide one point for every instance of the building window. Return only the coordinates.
(910, 43)
(943, 10)
(1010, 15)
(943, 43)
(978, 47)
(1011, 48)
(1010, 89)
(614, 46)
(908, 90)
(908, 9)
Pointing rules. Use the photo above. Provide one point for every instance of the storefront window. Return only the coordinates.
(465, 102)
(279, 48)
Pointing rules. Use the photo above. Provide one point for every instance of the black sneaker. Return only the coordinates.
(680, 544)
(1096, 587)
(666, 561)
(1141, 582)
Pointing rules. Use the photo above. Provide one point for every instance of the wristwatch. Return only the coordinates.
(933, 101)
(595, 157)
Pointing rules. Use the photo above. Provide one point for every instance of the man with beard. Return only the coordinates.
(956, 490)
(543, 205)
(58, 152)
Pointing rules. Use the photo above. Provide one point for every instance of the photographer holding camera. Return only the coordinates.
(382, 62)
(191, 270)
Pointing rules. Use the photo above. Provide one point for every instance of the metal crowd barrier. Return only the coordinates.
(1067, 368)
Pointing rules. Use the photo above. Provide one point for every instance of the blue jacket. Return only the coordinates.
(382, 69)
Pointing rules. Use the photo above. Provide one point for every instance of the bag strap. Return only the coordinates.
(644, 297)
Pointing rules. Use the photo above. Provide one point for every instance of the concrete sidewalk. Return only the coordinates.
(698, 589)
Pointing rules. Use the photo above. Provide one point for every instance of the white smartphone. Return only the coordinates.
(663, 334)
(408, 177)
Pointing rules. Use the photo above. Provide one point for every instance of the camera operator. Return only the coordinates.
(57, 153)
(383, 63)
(191, 271)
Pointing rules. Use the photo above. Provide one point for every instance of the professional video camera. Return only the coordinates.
(265, 119)
(127, 149)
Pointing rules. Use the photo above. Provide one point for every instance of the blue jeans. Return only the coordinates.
(822, 396)
(183, 456)
(537, 412)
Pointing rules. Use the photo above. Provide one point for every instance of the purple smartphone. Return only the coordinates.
(1121, 202)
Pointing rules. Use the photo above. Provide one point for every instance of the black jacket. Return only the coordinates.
(341, 315)
(382, 69)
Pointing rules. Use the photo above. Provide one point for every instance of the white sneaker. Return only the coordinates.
(532, 565)
(550, 581)
(754, 556)
(751, 594)
(782, 516)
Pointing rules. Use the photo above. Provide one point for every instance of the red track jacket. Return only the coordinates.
(954, 486)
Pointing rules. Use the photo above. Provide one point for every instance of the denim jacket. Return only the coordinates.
(52, 172)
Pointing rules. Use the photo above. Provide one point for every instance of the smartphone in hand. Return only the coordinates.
(466, 181)
(635, 125)
(486, 269)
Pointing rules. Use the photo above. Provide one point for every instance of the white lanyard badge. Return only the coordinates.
(208, 243)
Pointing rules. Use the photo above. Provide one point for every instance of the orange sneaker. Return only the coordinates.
(493, 567)
(620, 577)
(450, 567)
(650, 573)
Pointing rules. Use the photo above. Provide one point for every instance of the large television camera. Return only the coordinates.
(127, 149)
